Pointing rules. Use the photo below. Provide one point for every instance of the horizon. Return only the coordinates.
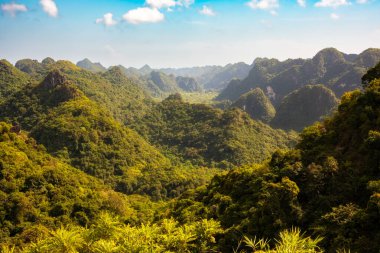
(184, 67)
(184, 33)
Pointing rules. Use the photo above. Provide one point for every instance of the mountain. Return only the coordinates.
(201, 74)
(336, 70)
(257, 105)
(328, 186)
(88, 65)
(221, 79)
(206, 136)
(81, 131)
(188, 84)
(212, 77)
(70, 125)
(35, 68)
(11, 79)
(305, 106)
(123, 96)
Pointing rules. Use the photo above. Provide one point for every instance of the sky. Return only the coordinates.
(184, 33)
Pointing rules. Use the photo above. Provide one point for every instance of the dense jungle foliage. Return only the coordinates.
(80, 172)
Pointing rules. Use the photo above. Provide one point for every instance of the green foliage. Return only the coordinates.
(11, 80)
(328, 186)
(257, 105)
(305, 106)
(289, 241)
(110, 235)
(204, 135)
(112, 89)
(38, 192)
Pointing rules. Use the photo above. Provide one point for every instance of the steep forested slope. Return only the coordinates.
(205, 135)
(257, 105)
(328, 186)
(11, 79)
(111, 89)
(305, 106)
(39, 192)
(336, 70)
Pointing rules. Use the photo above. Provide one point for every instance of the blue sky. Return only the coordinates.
(178, 33)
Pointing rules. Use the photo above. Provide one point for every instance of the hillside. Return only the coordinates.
(336, 70)
(257, 105)
(204, 135)
(39, 192)
(305, 106)
(11, 80)
(112, 89)
(90, 66)
(221, 79)
(328, 185)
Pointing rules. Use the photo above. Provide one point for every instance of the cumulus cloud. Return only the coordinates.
(49, 7)
(13, 8)
(301, 3)
(161, 3)
(334, 16)
(143, 15)
(362, 1)
(107, 20)
(263, 4)
(207, 11)
(331, 3)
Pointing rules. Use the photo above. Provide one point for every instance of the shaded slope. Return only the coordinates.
(305, 106)
(336, 70)
(257, 105)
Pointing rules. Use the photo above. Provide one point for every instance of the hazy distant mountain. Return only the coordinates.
(221, 79)
(338, 71)
(212, 77)
(188, 84)
(93, 67)
(202, 74)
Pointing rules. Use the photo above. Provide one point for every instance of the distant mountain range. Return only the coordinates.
(338, 71)
(207, 77)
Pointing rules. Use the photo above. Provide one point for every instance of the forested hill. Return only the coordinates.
(338, 71)
(206, 136)
(329, 185)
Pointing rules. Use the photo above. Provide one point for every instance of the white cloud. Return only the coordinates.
(185, 3)
(13, 8)
(107, 20)
(207, 11)
(263, 4)
(301, 3)
(161, 3)
(334, 16)
(362, 1)
(273, 13)
(331, 3)
(143, 15)
(49, 7)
